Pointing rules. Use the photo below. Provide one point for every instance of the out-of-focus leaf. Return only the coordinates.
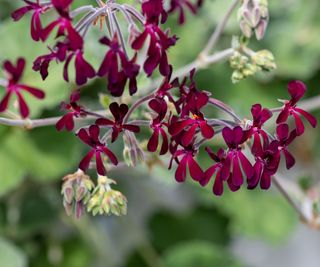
(200, 254)
(10, 255)
(256, 214)
(191, 226)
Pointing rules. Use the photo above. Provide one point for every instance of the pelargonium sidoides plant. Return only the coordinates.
(176, 118)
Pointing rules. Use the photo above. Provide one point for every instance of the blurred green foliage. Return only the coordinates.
(36, 232)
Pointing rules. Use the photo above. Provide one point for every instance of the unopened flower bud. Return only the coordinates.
(132, 152)
(105, 200)
(253, 16)
(264, 59)
(76, 190)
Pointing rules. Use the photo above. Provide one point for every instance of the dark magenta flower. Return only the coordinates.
(63, 22)
(14, 74)
(296, 90)
(42, 63)
(153, 10)
(159, 106)
(119, 112)
(235, 159)
(259, 117)
(187, 160)
(157, 52)
(64, 52)
(91, 138)
(74, 111)
(191, 101)
(37, 8)
(217, 170)
(267, 163)
(118, 74)
(190, 126)
(180, 6)
(284, 140)
(84, 70)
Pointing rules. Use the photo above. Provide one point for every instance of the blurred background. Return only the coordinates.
(168, 224)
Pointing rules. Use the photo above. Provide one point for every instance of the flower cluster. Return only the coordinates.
(177, 110)
(69, 35)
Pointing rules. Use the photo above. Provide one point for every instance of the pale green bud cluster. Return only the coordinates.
(245, 65)
(253, 17)
(105, 200)
(76, 190)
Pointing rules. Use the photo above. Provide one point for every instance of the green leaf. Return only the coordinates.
(200, 254)
(10, 255)
(256, 214)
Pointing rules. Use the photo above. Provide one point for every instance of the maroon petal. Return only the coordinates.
(139, 41)
(99, 164)
(299, 124)
(34, 91)
(246, 165)
(181, 171)
(218, 185)
(311, 119)
(165, 143)
(208, 174)
(283, 116)
(85, 162)
(225, 172)
(104, 121)
(253, 182)
(5, 101)
(110, 155)
(131, 128)
(282, 131)
(227, 134)
(188, 135)
(290, 161)
(84, 137)
(177, 127)
(195, 171)
(296, 90)
(153, 141)
(94, 132)
(265, 181)
(206, 130)
(237, 178)
(23, 107)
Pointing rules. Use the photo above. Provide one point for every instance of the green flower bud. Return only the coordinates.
(105, 200)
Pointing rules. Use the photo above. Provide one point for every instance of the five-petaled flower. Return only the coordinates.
(187, 155)
(119, 112)
(218, 169)
(181, 5)
(159, 106)
(235, 159)
(74, 111)
(118, 76)
(13, 86)
(296, 90)
(91, 138)
(37, 8)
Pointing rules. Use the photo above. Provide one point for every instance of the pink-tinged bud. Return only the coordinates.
(261, 29)
(79, 208)
(246, 29)
(68, 195)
